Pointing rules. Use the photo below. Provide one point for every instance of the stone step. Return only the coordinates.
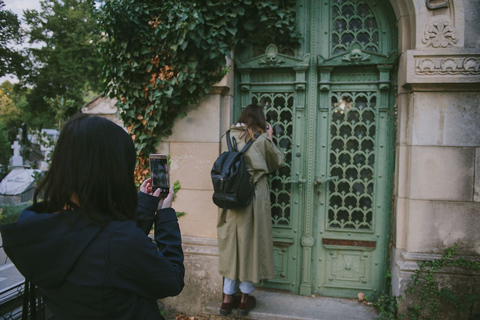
(283, 306)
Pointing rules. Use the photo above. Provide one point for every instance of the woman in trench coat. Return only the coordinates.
(245, 238)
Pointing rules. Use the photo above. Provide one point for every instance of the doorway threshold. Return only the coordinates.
(283, 306)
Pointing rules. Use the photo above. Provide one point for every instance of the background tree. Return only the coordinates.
(5, 151)
(10, 113)
(67, 64)
(60, 106)
(11, 34)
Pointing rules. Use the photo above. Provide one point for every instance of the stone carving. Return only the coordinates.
(439, 6)
(272, 58)
(356, 56)
(440, 33)
(450, 66)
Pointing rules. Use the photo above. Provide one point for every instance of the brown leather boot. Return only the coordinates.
(245, 307)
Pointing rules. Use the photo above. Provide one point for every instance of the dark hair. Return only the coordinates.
(95, 159)
(254, 118)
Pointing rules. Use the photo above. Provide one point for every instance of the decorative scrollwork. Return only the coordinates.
(440, 33)
(353, 22)
(352, 159)
(448, 66)
(347, 266)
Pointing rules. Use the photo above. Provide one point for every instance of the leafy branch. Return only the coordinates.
(163, 56)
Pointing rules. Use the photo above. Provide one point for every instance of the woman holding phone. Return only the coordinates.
(86, 245)
(245, 238)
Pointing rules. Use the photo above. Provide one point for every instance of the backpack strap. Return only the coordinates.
(234, 142)
(229, 143)
(249, 143)
(234, 147)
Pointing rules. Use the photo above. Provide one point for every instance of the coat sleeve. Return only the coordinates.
(147, 205)
(153, 270)
(273, 156)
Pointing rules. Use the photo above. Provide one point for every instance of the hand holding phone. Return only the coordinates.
(160, 174)
(146, 187)
(270, 131)
(167, 202)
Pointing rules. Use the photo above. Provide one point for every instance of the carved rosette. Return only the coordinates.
(440, 33)
(450, 66)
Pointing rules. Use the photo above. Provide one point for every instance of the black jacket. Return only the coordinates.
(85, 271)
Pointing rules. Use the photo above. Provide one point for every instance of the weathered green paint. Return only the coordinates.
(331, 104)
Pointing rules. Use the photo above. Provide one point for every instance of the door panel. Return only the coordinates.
(351, 216)
(331, 104)
(278, 108)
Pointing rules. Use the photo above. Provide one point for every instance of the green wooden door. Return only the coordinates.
(331, 104)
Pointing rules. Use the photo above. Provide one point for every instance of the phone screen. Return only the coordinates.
(160, 174)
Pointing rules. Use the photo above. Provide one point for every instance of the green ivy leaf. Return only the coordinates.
(249, 25)
(182, 115)
(191, 87)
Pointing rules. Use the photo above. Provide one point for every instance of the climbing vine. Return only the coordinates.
(163, 56)
(428, 295)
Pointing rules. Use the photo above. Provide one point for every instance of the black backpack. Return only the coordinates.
(230, 178)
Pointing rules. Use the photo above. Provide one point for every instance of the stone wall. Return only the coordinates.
(437, 170)
(193, 148)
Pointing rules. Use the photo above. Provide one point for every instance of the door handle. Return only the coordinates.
(319, 181)
(298, 181)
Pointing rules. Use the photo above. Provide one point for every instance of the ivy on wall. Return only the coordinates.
(162, 56)
(424, 295)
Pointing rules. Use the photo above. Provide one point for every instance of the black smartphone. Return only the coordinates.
(160, 173)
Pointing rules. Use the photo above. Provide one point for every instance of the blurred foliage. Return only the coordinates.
(5, 151)
(12, 102)
(11, 34)
(176, 188)
(9, 213)
(60, 107)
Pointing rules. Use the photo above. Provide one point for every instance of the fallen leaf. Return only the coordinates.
(360, 296)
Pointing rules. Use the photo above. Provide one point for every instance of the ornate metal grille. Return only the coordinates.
(352, 160)
(278, 108)
(353, 23)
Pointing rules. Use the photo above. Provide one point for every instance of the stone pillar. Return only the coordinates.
(437, 166)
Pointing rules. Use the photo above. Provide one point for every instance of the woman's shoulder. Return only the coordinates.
(235, 130)
(125, 236)
(264, 139)
(121, 225)
(124, 230)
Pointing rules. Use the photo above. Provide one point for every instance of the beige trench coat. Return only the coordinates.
(245, 240)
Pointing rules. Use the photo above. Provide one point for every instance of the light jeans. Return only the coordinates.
(230, 286)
